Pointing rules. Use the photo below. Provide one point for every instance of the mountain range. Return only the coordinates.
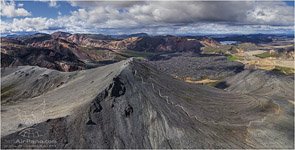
(68, 52)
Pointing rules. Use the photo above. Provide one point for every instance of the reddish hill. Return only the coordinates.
(44, 54)
(68, 52)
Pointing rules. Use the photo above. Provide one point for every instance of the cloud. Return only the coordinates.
(40, 24)
(20, 5)
(30, 24)
(94, 4)
(275, 13)
(51, 3)
(9, 9)
(125, 15)
(161, 12)
(159, 17)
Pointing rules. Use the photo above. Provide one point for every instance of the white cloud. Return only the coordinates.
(157, 13)
(94, 4)
(20, 5)
(30, 24)
(53, 3)
(40, 24)
(9, 9)
(163, 17)
(275, 13)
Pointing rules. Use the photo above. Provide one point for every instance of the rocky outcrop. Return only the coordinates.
(208, 42)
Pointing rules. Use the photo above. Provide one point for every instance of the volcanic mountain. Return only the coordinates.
(130, 104)
(52, 54)
(69, 52)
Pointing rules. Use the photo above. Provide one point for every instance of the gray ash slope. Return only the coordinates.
(197, 67)
(274, 87)
(132, 105)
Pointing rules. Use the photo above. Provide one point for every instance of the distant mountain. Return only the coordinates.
(124, 36)
(253, 38)
(146, 44)
(166, 44)
(37, 37)
(16, 34)
(60, 35)
(76, 49)
(49, 55)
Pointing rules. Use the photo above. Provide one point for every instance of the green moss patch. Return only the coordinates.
(266, 55)
(284, 70)
(7, 92)
(233, 58)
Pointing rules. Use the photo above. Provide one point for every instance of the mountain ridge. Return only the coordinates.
(136, 106)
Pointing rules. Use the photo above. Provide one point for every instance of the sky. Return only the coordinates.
(152, 17)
